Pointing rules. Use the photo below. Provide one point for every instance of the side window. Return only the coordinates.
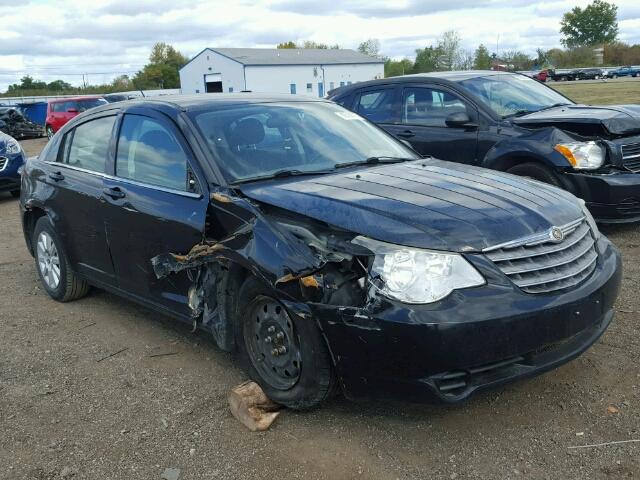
(377, 105)
(429, 107)
(66, 106)
(57, 107)
(148, 152)
(87, 145)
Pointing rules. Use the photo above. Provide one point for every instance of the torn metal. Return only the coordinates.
(303, 261)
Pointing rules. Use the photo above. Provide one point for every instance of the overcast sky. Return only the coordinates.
(63, 39)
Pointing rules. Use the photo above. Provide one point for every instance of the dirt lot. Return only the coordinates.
(66, 411)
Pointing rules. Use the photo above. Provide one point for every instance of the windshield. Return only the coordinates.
(509, 95)
(260, 140)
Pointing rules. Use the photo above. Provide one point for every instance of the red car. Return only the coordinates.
(61, 110)
(541, 76)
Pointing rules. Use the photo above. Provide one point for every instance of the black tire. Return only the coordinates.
(15, 193)
(614, 76)
(69, 287)
(314, 381)
(537, 171)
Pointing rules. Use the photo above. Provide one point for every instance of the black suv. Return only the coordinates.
(512, 123)
(320, 247)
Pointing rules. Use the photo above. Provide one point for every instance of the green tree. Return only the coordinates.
(427, 59)
(370, 47)
(395, 68)
(162, 71)
(482, 59)
(596, 24)
(288, 44)
(59, 86)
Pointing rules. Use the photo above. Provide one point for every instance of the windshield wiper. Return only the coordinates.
(561, 104)
(375, 161)
(283, 174)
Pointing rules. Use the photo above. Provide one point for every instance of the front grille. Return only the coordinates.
(540, 264)
(631, 156)
(4, 161)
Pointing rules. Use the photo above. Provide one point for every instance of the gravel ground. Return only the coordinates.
(66, 411)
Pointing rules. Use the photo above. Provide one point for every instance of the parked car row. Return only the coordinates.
(594, 73)
(331, 254)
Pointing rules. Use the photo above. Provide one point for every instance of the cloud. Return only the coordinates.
(65, 38)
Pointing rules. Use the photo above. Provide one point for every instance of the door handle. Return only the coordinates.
(114, 193)
(56, 176)
(406, 134)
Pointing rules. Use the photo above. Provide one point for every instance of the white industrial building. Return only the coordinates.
(299, 71)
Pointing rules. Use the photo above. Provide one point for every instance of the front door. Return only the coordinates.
(424, 111)
(77, 210)
(156, 206)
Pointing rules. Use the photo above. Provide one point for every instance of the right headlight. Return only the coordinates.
(414, 275)
(582, 155)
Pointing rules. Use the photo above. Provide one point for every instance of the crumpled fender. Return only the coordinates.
(538, 145)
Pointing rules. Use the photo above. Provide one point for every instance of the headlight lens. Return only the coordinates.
(591, 221)
(582, 155)
(13, 146)
(414, 275)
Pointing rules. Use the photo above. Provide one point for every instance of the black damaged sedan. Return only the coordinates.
(319, 247)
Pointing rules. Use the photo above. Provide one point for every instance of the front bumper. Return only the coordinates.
(474, 339)
(9, 175)
(611, 198)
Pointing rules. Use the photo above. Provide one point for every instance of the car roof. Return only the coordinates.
(73, 99)
(444, 77)
(211, 100)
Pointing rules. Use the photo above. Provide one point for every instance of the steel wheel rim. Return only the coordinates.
(272, 343)
(48, 260)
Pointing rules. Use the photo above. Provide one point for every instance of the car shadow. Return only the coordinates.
(6, 197)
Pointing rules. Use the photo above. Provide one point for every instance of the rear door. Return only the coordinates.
(156, 204)
(423, 113)
(75, 205)
(378, 104)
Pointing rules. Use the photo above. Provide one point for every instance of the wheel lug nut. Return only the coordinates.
(282, 350)
(268, 340)
(271, 329)
(279, 336)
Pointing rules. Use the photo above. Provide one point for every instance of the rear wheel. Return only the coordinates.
(49, 131)
(57, 278)
(537, 171)
(285, 355)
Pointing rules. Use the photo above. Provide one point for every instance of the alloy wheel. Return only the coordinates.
(48, 260)
(272, 344)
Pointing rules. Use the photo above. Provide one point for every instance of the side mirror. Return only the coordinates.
(459, 120)
(72, 110)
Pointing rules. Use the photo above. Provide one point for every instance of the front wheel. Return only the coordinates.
(284, 354)
(49, 131)
(536, 171)
(57, 278)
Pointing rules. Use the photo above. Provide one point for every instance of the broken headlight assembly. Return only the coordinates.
(13, 146)
(582, 155)
(414, 275)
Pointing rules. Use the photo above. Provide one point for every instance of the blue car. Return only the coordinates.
(11, 159)
(625, 72)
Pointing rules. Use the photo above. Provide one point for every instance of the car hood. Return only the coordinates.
(613, 120)
(426, 204)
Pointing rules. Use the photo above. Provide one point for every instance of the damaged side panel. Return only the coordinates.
(240, 238)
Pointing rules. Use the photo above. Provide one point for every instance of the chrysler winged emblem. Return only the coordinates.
(556, 234)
